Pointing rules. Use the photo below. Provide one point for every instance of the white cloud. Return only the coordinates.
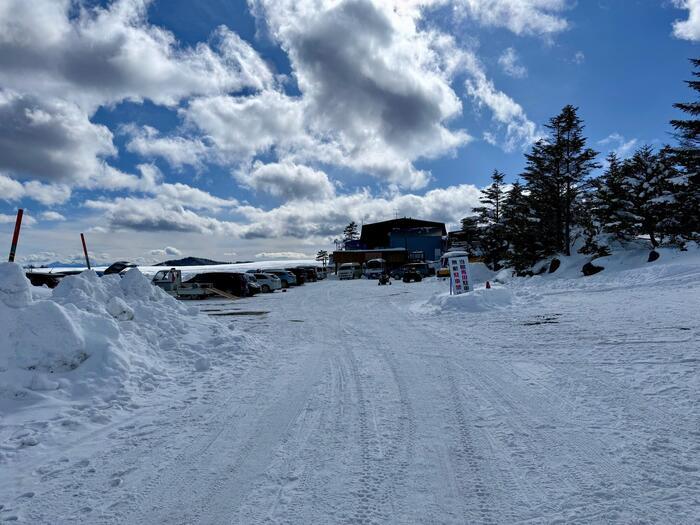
(105, 55)
(167, 251)
(288, 180)
(298, 219)
(50, 140)
(520, 131)
(177, 151)
(27, 220)
(282, 255)
(510, 63)
(51, 216)
(579, 57)
(619, 144)
(688, 29)
(522, 17)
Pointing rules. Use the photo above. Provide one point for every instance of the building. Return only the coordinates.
(397, 241)
(422, 240)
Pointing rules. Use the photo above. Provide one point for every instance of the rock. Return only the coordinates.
(653, 255)
(591, 269)
(554, 265)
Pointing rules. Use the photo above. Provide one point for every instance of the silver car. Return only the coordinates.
(268, 282)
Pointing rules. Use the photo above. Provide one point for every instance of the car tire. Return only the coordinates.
(265, 288)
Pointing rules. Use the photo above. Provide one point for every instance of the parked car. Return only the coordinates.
(411, 274)
(374, 268)
(268, 282)
(233, 283)
(253, 285)
(311, 275)
(422, 268)
(321, 273)
(349, 271)
(299, 274)
(286, 277)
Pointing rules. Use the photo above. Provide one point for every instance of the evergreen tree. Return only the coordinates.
(610, 203)
(350, 233)
(520, 230)
(687, 155)
(648, 183)
(491, 222)
(322, 257)
(555, 172)
(472, 234)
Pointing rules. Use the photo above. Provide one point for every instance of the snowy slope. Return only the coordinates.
(557, 399)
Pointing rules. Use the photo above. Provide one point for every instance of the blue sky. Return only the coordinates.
(244, 129)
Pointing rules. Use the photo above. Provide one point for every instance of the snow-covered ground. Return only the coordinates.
(551, 399)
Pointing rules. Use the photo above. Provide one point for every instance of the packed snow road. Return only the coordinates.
(547, 402)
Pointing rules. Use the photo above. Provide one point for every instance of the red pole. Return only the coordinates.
(87, 259)
(15, 236)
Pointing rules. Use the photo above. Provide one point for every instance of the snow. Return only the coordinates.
(552, 399)
(92, 346)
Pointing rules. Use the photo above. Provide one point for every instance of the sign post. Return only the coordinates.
(460, 278)
(15, 235)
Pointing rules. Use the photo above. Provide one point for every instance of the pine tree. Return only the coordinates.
(490, 221)
(610, 203)
(687, 155)
(555, 172)
(322, 257)
(472, 234)
(648, 183)
(520, 229)
(350, 233)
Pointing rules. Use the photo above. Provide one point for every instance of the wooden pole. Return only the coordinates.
(15, 236)
(87, 259)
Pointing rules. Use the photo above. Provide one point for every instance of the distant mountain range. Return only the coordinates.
(190, 261)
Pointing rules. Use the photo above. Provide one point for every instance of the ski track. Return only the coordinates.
(357, 409)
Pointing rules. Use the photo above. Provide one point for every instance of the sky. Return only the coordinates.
(244, 130)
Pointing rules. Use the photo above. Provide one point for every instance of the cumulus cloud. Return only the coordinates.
(47, 194)
(522, 17)
(103, 55)
(688, 29)
(27, 220)
(167, 251)
(50, 140)
(296, 218)
(288, 180)
(51, 216)
(510, 64)
(176, 150)
(61, 60)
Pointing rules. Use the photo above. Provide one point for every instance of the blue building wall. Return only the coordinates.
(417, 243)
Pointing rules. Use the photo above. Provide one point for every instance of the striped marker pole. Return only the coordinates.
(87, 259)
(15, 236)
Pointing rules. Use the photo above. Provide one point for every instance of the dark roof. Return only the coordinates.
(377, 234)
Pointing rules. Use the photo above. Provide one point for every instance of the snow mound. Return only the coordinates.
(479, 300)
(476, 301)
(91, 338)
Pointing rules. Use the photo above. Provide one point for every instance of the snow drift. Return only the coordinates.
(92, 337)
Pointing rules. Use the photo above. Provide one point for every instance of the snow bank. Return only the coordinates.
(93, 337)
(479, 300)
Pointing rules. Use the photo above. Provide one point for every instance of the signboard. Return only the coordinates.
(460, 280)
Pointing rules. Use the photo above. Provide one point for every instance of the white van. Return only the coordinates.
(349, 271)
(374, 268)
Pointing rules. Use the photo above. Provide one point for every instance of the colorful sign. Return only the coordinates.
(460, 280)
